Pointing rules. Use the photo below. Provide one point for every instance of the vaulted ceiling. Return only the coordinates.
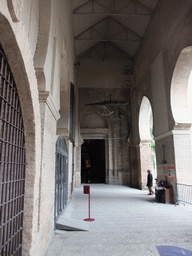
(110, 27)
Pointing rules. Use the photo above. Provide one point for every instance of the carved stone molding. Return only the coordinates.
(95, 133)
(45, 97)
(15, 8)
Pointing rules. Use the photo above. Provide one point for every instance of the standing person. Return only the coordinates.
(150, 182)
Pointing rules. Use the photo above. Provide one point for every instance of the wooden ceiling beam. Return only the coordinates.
(112, 14)
(111, 9)
(109, 40)
(108, 18)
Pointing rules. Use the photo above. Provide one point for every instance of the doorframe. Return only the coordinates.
(98, 134)
(63, 153)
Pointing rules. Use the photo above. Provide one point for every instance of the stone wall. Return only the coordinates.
(117, 124)
(168, 33)
(32, 36)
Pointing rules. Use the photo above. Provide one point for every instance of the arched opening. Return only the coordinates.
(93, 161)
(181, 88)
(181, 96)
(12, 163)
(147, 143)
(61, 176)
(93, 150)
(24, 76)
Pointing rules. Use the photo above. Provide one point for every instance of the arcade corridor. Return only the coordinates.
(97, 92)
(127, 222)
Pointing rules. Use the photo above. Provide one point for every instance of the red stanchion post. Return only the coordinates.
(87, 191)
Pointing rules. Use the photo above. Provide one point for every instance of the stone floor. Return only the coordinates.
(127, 222)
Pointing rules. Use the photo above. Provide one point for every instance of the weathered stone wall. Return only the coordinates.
(15, 44)
(96, 73)
(49, 119)
(117, 151)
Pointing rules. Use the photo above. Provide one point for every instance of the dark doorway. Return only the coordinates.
(93, 161)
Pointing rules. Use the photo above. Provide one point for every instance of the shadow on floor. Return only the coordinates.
(149, 198)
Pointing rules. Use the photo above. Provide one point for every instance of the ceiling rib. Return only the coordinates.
(111, 40)
(87, 3)
(112, 14)
(81, 6)
(119, 22)
(106, 37)
(101, 47)
(111, 10)
(139, 3)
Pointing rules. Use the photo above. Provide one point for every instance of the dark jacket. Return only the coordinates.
(149, 180)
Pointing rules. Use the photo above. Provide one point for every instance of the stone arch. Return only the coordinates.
(181, 87)
(93, 120)
(146, 138)
(145, 115)
(43, 42)
(15, 46)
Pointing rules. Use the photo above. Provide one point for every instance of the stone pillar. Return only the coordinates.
(78, 163)
(49, 118)
(117, 145)
(182, 147)
(107, 161)
(124, 174)
(134, 163)
(111, 154)
(176, 155)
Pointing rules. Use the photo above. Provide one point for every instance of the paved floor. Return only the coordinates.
(127, 222)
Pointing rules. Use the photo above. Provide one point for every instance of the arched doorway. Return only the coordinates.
(147, 143)
(61, 176)
(12, 163)
(94, 131)
(15, 46)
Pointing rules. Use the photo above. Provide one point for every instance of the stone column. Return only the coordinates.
(125, 177)
(107, 161)
(78, 163)
(134, 165)
(117, 148)
(111, 153)
(182, 147)
(49, 118)
(177, 155)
